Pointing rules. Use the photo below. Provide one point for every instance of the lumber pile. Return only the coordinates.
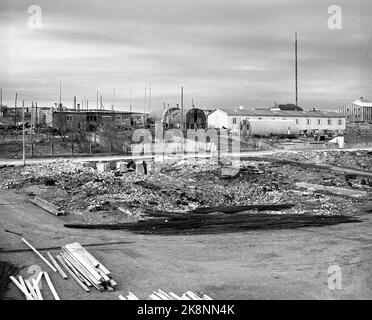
(47, 206)
(86, 270)
(162, 295)
(31, 288)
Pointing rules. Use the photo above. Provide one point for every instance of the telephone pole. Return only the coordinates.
(97, 99)
(144, 106)
(15, 109)
(182, 122)
(150, 99)
(113, 99)
(130, 108)
(60, 94)
(296, 69)
(23, 134)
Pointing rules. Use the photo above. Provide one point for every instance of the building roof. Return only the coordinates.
(109, 112)
(288, 107)
(363, 102)
(273, 113)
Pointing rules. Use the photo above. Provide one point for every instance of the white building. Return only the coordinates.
(303, 121)
(359, 110)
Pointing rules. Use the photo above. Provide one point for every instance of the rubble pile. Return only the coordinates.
(361, 159)
(180, 185)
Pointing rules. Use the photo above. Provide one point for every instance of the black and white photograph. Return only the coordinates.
(199, 151)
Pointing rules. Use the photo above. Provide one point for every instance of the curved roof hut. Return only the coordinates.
(196, 119)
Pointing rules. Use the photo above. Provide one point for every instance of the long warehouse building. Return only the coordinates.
(302, 121)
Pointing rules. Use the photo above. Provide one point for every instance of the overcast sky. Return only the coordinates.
(224, 53)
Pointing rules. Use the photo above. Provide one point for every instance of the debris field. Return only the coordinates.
(123, 196)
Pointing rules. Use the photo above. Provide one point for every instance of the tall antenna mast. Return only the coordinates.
(296, 73)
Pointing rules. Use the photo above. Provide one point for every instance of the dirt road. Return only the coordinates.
(286, 264)
(9, 162)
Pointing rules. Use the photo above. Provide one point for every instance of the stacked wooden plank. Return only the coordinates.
(31, 287)
(47, 206)
(85, 269)
(162, 295)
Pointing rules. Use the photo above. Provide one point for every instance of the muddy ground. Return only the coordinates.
(283, 264)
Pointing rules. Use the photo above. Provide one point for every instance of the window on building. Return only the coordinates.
(329, 122)
(340, 122)
(308, 121)
(234, 120)
(319, 121)
(297, 121)
(69, 118)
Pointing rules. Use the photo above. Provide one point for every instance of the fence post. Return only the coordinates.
(90, 148)
(52, 149)
(72, 149)
(32, 150)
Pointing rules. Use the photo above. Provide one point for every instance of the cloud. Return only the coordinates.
(225, 53)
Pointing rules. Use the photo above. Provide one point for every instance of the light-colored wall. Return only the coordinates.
(220, 118)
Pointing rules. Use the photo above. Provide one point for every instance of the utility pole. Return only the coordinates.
(36, 117)
(130, 108)
(296, 70)
(101, 102)
(23, 134)
(113, 105)
(150, 99)
(1, 97)
(15, 109)
(113, 99)
(32, 121)
(182, 122)
(60, 94)
(97, 99)
(144, 107)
